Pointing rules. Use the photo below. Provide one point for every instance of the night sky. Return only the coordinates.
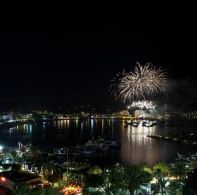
(41, 66)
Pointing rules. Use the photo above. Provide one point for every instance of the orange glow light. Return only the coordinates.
(72, 189)
(3, 179)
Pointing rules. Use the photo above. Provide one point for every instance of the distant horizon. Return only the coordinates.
(63, 107)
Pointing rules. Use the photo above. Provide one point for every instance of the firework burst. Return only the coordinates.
(144, 81)
(147, 105)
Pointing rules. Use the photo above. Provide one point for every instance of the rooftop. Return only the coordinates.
(18, 176)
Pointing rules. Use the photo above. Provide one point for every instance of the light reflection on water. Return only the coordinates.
(136, 147)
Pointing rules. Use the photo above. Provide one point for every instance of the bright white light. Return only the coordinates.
(1, 147)
(148, 105)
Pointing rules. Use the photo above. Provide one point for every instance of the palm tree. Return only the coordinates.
(115, 178)
(179, 170)
(51, 191)
(23, 190)
(190, 186)
(135, 178)
(96, 170)
(149, 171)
(175, 188)
(160, 172)
(94, 177)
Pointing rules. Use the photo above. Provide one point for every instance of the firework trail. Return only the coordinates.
(144, 81)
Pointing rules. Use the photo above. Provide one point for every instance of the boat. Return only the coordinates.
(88, 150)
(113, 144)
(135, 125)
(102, 147)
(60, 151)
(128, 123)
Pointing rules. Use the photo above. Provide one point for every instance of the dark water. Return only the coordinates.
(136, 147)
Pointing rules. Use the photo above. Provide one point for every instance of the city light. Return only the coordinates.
(1, 148)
